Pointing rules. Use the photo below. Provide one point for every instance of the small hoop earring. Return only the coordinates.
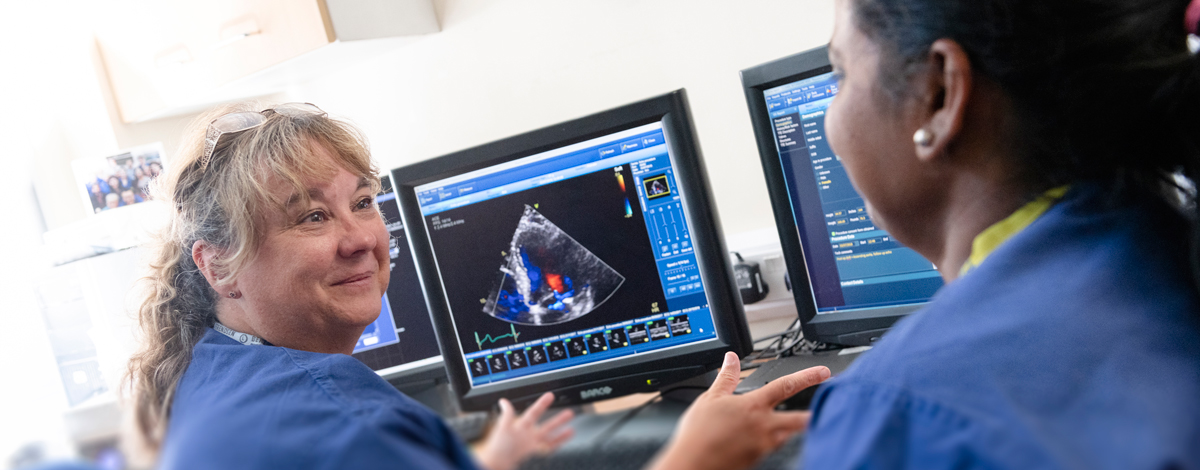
(923, 138)
(233, 295)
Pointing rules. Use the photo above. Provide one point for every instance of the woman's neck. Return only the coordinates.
(973, 206)
(313, 338)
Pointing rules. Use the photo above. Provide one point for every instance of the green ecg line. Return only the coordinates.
(489, 339)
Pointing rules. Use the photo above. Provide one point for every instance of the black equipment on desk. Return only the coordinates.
(584, 258)
(748, 277)
(852, 280)
(639, 453)
(630, 439)
(836, 360)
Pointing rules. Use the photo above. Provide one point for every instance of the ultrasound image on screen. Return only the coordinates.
(577, 234)
(549, 277)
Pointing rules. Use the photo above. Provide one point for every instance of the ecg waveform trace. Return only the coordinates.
(490, 339)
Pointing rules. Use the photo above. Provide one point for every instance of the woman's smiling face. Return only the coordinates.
(321, 268)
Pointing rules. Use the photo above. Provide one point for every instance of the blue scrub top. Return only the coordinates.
(254, 407)
(1076, 344)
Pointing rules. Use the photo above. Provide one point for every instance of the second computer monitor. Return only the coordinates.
(400, 344)
(852, 280)
(583, 259)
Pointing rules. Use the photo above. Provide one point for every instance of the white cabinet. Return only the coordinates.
(166, 58)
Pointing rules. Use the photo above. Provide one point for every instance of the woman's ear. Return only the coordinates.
(204, 254)
(948, 88)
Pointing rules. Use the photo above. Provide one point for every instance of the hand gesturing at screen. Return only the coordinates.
(726, 431)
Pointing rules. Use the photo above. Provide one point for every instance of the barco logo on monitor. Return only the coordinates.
(595, 392)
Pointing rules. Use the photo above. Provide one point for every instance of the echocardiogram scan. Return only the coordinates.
(656, 187)
(548, 277)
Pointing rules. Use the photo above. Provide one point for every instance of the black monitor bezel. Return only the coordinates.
(417, 373)
(853, 327)
(733, 333)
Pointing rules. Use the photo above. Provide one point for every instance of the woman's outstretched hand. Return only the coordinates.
(726, 431)
(515, 438)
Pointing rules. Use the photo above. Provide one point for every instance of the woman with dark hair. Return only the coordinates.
(1043, 155)
(96, 194)
(114, 183)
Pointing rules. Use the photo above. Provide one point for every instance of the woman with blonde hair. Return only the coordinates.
(274, 261)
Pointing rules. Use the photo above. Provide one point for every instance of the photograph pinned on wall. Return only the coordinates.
(118, 180)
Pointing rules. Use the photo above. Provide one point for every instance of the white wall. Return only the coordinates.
(503, 67)
(500, 68)
(52, 113)
(61, 114)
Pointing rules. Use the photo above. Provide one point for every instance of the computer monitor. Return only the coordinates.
(400, 344)
(851, 280)
(584, 259)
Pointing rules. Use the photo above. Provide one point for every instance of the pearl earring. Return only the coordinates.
(923, 138)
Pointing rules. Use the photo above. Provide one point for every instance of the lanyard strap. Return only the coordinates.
(244, 338)
(991, 238)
